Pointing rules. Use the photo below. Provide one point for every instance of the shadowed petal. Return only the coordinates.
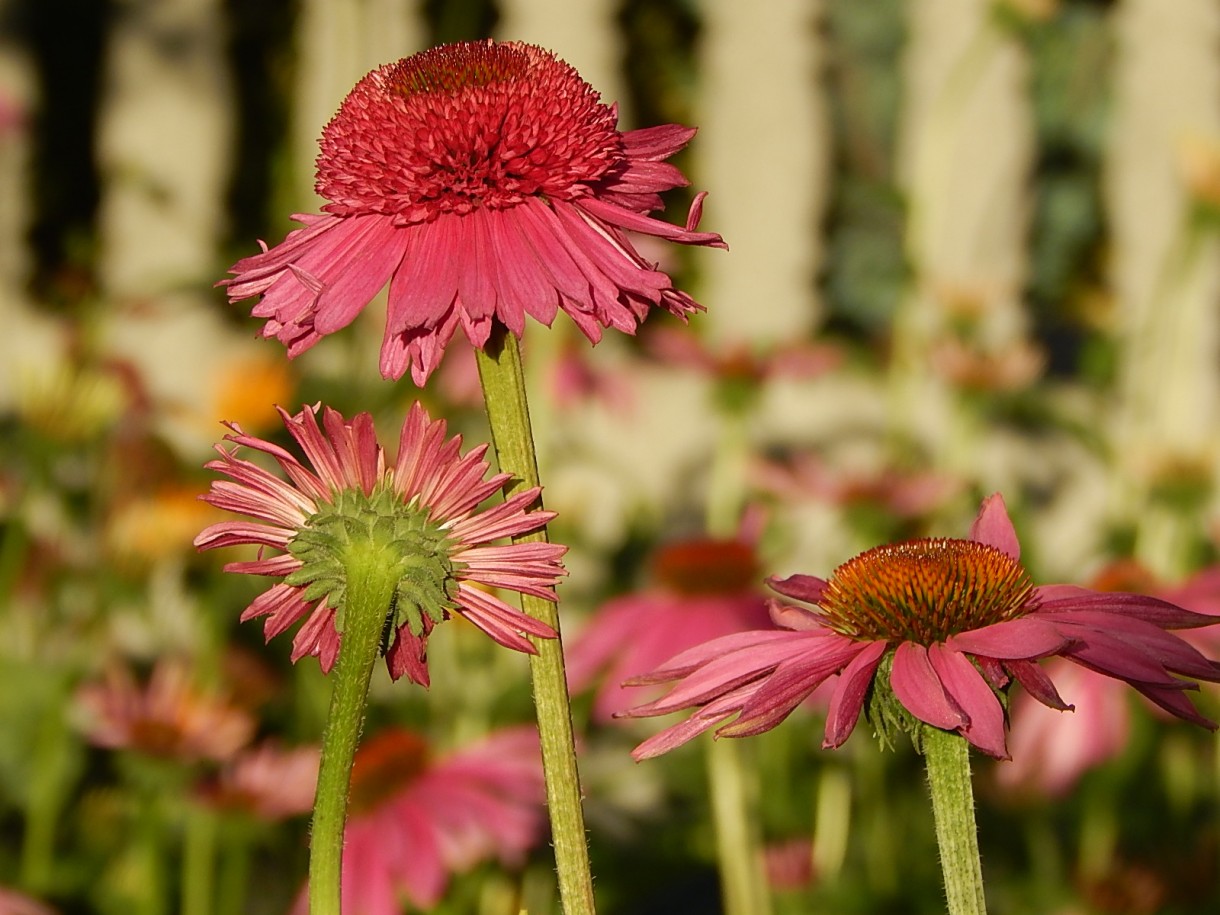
(917, 686)
(848, 697)
(970, 692)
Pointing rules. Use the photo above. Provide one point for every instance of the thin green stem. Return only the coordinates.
(743, 884)
(500, 371)
(370, 587)
(947, 758)
(199, 861)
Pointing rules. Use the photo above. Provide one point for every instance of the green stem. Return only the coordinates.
(500, 371)
(832, 823)
(199, 861)
(743, 884)
(947, 758)
(740, 865)
(370, 584)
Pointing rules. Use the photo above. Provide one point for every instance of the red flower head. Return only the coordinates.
(424, 507)
(483, 181)
(928, 631)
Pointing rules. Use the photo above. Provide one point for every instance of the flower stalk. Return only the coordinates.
(371, 582)
(503, 380)
(947, 760)
(738, 856)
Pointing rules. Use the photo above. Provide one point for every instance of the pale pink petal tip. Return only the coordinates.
(993, 527)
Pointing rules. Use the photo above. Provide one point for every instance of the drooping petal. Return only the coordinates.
(848, 697)
(917, 686)
(971, 693)
(1037, 684)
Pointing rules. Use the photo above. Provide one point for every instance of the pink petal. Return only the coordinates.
(806, 588)
(1070, 599)
(374, 249)
(993, 527)
(646, 225)
(686, 662)
(970, 692)
(1027, 637)
(1038, 684)
(848, 697)
(917, 686)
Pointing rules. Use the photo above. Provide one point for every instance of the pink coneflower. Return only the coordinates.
(738, 362)
(415, 820)
(423, 510)
(483, 181)
(904, 494)
(928, 631)
(701, 589)
(169, 716)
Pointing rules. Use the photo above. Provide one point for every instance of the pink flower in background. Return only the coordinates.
(483, 181)
(414, 821)
(738, 362)
(169, 716)
(267, 781)
(429, 501)
(14, 903)
(789, 864)
(702, 589)
(900, 493)
(947, 623)
(1050, 751)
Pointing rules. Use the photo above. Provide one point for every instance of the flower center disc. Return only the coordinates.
(464, 126)
(384, 765)
(701, 567)
(452, 68)
(925, 591)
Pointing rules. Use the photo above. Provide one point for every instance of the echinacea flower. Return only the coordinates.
(702, 589)
(415, 820)
(168, 717)
(425, 510)
(483, 181)
(928, 631)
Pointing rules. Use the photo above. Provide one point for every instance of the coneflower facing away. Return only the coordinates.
(927, 631)
(423, 510)
(483, 181)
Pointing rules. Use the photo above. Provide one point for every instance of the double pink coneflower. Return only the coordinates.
(483, 181)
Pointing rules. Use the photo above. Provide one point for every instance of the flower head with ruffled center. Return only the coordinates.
(422, 512)
(927, 633)
(483, 181)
